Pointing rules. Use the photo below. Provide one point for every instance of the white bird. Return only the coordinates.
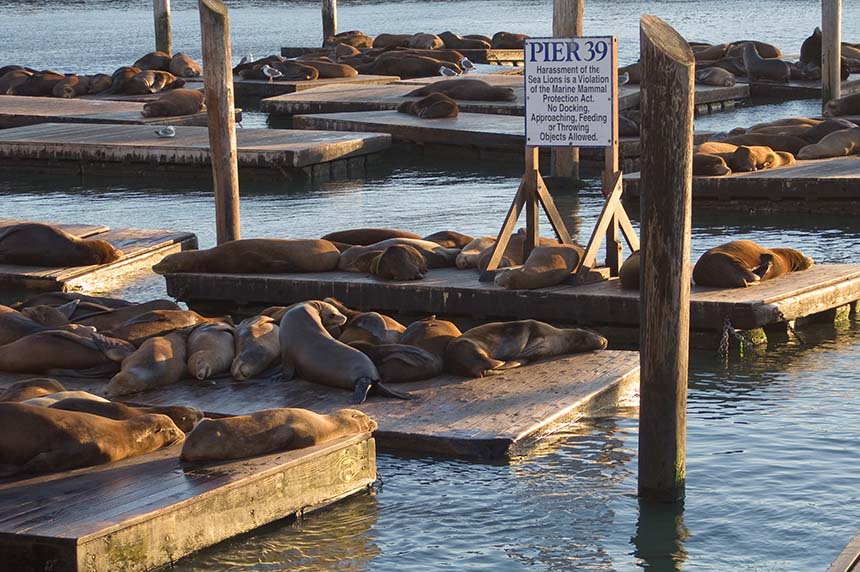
(466, 64)
(270, 72)
(447, 71)
(247, 58)
(623, 78)
(166, 132)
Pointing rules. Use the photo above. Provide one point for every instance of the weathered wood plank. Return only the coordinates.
(849, 559)
(263, 88)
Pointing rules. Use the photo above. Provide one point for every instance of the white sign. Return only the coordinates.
(569, 86)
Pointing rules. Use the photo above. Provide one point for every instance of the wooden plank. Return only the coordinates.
(258, 148)
(152, 509)
(797, 89)
(849, 559)
(264, 88)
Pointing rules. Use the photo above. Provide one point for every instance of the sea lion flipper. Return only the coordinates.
(114, 349)
(388, 392)
(361, 389)
(95, 372)
(288, 371)
(68, 309)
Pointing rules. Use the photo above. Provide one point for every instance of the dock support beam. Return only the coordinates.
(566, 23)
(667, 142)
(161, 12)
(221, 115)
(329, 18)
(831, 50)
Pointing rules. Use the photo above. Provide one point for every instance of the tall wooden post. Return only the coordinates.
(831, 50)
(329, 18)
(566, 23)
(161, 12)
(667, 169)
(217, 69)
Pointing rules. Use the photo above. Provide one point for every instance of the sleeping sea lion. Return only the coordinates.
(715, 76)
(57, 298)
(54, 316)
(258, 63)
(12, 79)
(365, 236)
(763, 49)
(752, 158)
(436, 256)
(257, 347)
(706, 165)
(268, 431)
(121, 77)
(156, 61)
(471, 252)
(508, 41)
(373, 328)
(255, 256)
(152, 81)
(399, 262)
(453, 41)
(184, 417)
(211, 350)
(156, 323)
(628, 276)
(465, 89)
(501, 345)
(710, 52)
(15, 325)
(72, 86)
(51, 398)
(776, 142)
(434, 106)
(424, 41)
(330, 69)
(99, 83)
(157, 362)
(41, 439)
(31, 388)
(56, 349)
(181, 65)
(759, 68)
(545, 266)
(836, 144)
(391, 40)
(818, 132)
(113, 317)
(175, 102)
(407, 66)
(352, 38)
(449, 238)
(847, 105)
(40, 84)
(37, 244)
(743, 263)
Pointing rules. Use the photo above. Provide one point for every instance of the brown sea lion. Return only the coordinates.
(836, 144)
(786, 122)
(99, 83)
(56, 349)
(776, 142)
(72, 86)
(40, 84)
(157, 362)
(181, 65)
(764, 49)
(784, 159)
(113, 317)
(258, 63)
(51, 315)
(121, 77)
(515, 252)
(424, 41)
(406, 66)
(705, 165)
(330, 69)
(810, 49)
(152, 81)
(175, 102)
(184, 417)
(311, 353)
(433, 106)
(453, 41)
(743, 263)
(51, 398)
(437, 256)
(818, 132)
(37, 244)
(352, 38)
(290, 71)
(365, 236)
(501, 345)
(793, 130)
(41, 439)
(211, 350)
(759, 68)
(469, 254)
(257, 347)
(628, 275)
(430, 334)
(57, 298)
(715, 76)
(156, 61)
(450, 56)
(30, 388)
(344, 51)
(255, 256)
(508, 41)
(449, 238)
(847, 105)
(391, 40)
(156, 323)
(752, 158)
(269, 431)
(399, 262)
(465, 89)
(710, 52)
(12, 79)
(734, 65)
(545, 266)
(15, 325)
(373, 328)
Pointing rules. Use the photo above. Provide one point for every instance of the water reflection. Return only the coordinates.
(660, 536)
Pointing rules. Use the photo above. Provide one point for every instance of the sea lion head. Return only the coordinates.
(399, 262)
(154, 431)
(104, 251)
(743, 159)
(578, 340)
(831, 108)
(795, 258)
(355, 419)
(199, 365)
(329, 315)
(123, 383)
(46, 315)
(179, 262)
(184, 417)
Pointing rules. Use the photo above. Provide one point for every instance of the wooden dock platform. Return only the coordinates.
(141, 249)
(264, 88)
(822, 186)
(604, 306)
(16, 111)
(146, 512)
(135, 149)
(849, 559)
(491, 56)
(489, 418)
(796, 89)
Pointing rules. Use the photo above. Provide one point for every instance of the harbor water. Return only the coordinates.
(771, 437)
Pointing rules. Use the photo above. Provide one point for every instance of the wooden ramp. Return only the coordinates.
(279, 150)
(16, 111)
(263, 88)
(796, 89)
(491, 56)
(141, 249)
(484, 418)
(821, 186)
(149, 511)
(453, 292)
(849, 559)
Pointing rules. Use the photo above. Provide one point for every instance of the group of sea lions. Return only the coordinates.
(438, 98)
(425, 41)
(736, 264)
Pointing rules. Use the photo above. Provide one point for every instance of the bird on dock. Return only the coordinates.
(623, 78)
(166, 132)
(466, 64)
(447, 71)
(247, 58)
(271, 73)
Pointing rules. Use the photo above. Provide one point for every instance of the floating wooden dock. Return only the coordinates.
(146, 512)
(822, 186)
(849, 559)
(141, 249)
(264, 88)
(604, 305)
(16, 111)
(796, 89)
(491, 56)
(135, 149)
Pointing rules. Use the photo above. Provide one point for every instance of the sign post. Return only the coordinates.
(571, 101)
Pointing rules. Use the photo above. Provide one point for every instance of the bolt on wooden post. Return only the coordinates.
(161, 13)
(218, 74)
(329, 18)
(668, 67)
(831, 50)
(566, 23)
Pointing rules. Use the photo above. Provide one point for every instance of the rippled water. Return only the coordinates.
(771, 438)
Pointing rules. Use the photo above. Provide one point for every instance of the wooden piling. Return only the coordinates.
(667, 141)
(217, 69)
(566, 23)
(831, 50)
(329, 18)
(161, 13)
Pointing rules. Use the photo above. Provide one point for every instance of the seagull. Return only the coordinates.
(623, 78)
(247, 58)
(270, 72)
(447, 71)
(466, 64)
(166, 132)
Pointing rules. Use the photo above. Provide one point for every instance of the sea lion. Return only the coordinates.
(705, 165)
(392, 40)
(53, 316)
(39, 84)
(311, 353)
(710, 52)
(184, 417)
(373, 328)
(175, 102)
(425, 41)
(121, 77)
(57, 298)
(72, 86)
(156, 61)
(733, 65)
(456, 42)
(269, 431)
(257, 347)
(407, 66)
(258, 63)
(465, 89)
(99, 83)
(628, 275)
(743, 263)
(836, 144)
(752, 158)
(759, 68)
(181, 65)
(449, 238)
(450, 56)
(12, 79)
(37, 244)
(469, 254)
(434, 106)
(51, 398)
(56, 349)
(290, 71)
(30, 388)
(436, 256)
(41, 439)
(715, 76)
(211, 350)
(793, 130)
(342, 51)
(353, 38)
(508, 41)
(152, 81)
(514, 254)
(157, 362)
(787, 122)
(810, 49)
(255, 256)
(545, 266)
(330, 69)
(783, 159)
(847, 105)
(113, 317)
(776, 142)
(763, 49)
(817, 133)
(365, 236)
(156, 323)
(15, 325)
(430, 334)
(399, 262)
(495, 346)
